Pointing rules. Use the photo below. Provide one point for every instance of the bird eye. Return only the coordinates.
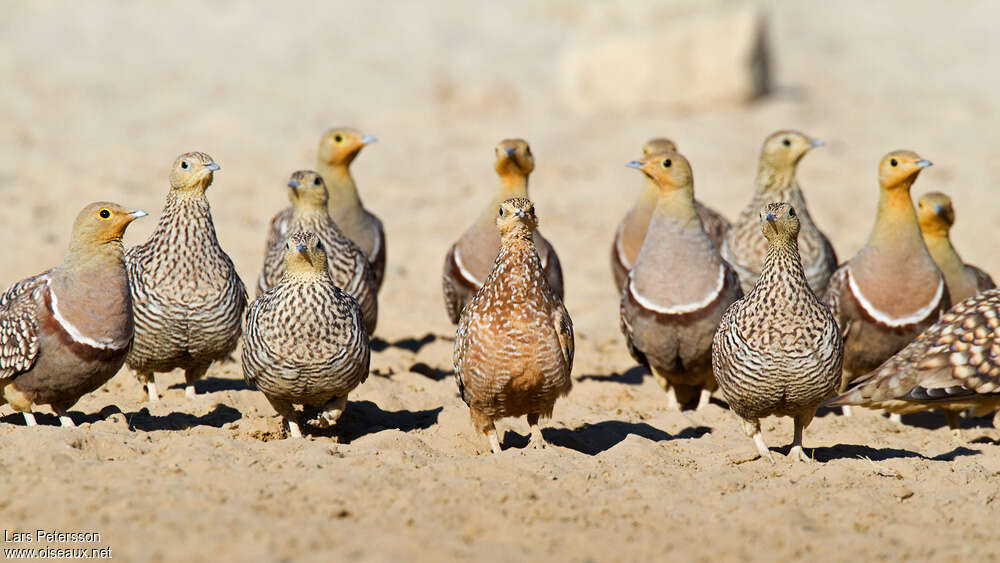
(667, 163)
(531, 210)
(338, 138)
(503, 212)
(893, 162)
(786, 142)
(184, 164)
(316, 181)
(791, 212)
(104, 213)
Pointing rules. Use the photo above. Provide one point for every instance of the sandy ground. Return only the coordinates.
(98, 99)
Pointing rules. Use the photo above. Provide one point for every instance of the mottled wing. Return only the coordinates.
(553, 270)
(564, 330)
(450, 280)
(983, 280)
(19, 339)
(278, 228)
(714, 223)
(378, 256)
(836, 291)
(274, 260)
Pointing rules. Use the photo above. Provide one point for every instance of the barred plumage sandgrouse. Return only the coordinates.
(469, 260)
(936, 216)
(306, 341)
(188, 299)
(349, 268)
(952, 366)
(337, 149)
(631, 230)
(745, 248)
(891, 290)
(669, 320)
(65, 332)
(514, 345)
(778, 351)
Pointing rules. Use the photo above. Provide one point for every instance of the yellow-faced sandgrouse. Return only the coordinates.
(514, 345)
(631, 230)
(891, 290)
(188, 299)
(470, 259)
(348, 267)
(936, 216)
(306, 341)
(65, 332)
(952, 366)
(745, 248)
(669, 320)
(338, 148)
(778, 351)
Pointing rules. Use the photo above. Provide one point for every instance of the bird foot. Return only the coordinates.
(29, 419)
(495, 442)
(896, 417)
(704, 399)
(189, 391)
(846, 410)
(331, 413)
(762, 449)
(151, 391)
(957, 434)
(799, 454)
(672, 402)
(537, 442)
(65, 421)
(293, 429)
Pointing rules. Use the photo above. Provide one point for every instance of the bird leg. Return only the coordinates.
(287, 412)
(797, 453)
(954, 424)
(537, 441)
(704, 399)
(29, 419)
(293, 428)
(149, 380)
(752, 429)
(846, 410)
(331, 412)
(485, 425)
(64, 419)
(190, 376)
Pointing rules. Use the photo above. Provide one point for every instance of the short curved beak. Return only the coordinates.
(924, 163)
(510, 151)
(302, 248)
(520, 214)
(137, 214)
(633, 164)
(938, 210)
(368, 139)
(212, 167)
(770, 218)
(294, 184)
(816, 143)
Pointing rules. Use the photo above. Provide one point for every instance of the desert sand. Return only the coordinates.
(99, 97)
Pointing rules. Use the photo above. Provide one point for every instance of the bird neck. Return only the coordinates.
(511, 186)
(782, 266)
(774, 178)
(186, 219)
(310, 211)
(88, 258)
(896, 221)
(343, 192)
(649, 195)
(944, 254)
(678, 204)
(304, 273)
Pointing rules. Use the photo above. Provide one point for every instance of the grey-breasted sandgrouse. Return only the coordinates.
(348, 267)
(891, 290)
(306, 341)
(631, 230)
(745, 248)
(936, 216)
(188, 299)
(669, 320)
(338, 147)
(952, 366)
(514, 345)
(778, 351)
(66, 331)
(470, 259)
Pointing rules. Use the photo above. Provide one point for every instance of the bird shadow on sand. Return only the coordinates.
(411, 344)
(362, 418)
(855, 451)
(633, 376)
(215, 384)
(217, 417)
(430, 372)
(50, 419)
(592, 439)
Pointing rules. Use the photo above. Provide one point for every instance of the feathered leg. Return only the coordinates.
(801, 421)
(190, 376)
(537, 441)
(752, 429)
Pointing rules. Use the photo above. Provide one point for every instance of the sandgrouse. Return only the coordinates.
(745, 247)
(632, 228)
(514, 345)
(891, 290)
(65, 332)
(188, 299)
(778, 351)
(337, 149)
(469, 260)
(952, 366)
(306, 341)
(936, 216)
(669, 320)
(349, 269)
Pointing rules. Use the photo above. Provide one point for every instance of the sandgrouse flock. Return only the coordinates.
(760, 309)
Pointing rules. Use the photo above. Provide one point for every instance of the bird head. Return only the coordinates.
(306, 190)
(670, 170)
(899, 169)
(192, 171)
(103, 222)
(513, 157)
(784, 149)
(339, 146)
(304, 254)
(517, 215)
(658, 145)
(935, 213)
(779, 223)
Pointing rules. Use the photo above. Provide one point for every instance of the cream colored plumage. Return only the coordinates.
(744, 247)
(936, 216)
(778, 351)
(669, 320)
(514, 345)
